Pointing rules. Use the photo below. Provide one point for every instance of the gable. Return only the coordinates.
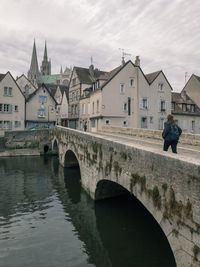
(9, 76)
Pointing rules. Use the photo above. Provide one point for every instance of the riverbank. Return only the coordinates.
(20, 152)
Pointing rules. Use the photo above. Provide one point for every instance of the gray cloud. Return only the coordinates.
(164, 34)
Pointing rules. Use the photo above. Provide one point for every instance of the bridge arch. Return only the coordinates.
(70, 159)
(109, 189)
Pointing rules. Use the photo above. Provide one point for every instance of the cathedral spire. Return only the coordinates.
(34, 62)
(33, 73)
(45, 52)
(46, 65)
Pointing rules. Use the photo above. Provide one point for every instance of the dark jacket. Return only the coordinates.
(167, 132)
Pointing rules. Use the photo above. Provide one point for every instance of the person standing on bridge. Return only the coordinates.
(171, 134)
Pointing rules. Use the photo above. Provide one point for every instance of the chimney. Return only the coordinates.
(137, 61)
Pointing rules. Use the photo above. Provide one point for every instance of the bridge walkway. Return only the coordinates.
(189, 153)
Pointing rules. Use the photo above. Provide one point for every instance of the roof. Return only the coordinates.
(183, 98)
(152, 76)
(53, 87)
(34, 93)
(197, 77)
(2, 76)
(88, 76)
(49, 79)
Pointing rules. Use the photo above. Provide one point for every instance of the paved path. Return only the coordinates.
(187, 153)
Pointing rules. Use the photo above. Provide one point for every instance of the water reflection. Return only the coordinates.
(47, 219)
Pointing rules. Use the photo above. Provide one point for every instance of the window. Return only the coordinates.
(1, 124)
(76, 109)
(93, 123)
(144, 122)
(144, 103)
(83, 108)
(122, 88)
(193, 126)
(7, 108)
(160, 86)
(7, 125)
(17, 124)
(107, 122)
(125, 107)
(97, 84)
(129, 106)
(131, 82)
(162, 106)
(16, 108)
(7, 91)
(173, 106)
(192, 108)
(42, 99)
(184, 107)
(72, 110)
(41, 113)
(151, 119)
(97, 106)
(77, 95)
(92, 107)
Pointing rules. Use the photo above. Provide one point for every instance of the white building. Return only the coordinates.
(186, 112)
(131, 99)
(40, 109)
(12, 104)
(25, 85)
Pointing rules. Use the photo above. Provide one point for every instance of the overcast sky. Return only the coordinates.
(165, 34)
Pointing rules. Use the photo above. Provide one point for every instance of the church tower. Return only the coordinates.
(46, 65)
(33, 73)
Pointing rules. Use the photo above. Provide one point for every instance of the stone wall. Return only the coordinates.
(168, 186)
(27, 139)
(186, 138)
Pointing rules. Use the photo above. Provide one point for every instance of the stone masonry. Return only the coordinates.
(168, 186)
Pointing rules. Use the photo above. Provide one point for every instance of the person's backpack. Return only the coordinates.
(174, 132)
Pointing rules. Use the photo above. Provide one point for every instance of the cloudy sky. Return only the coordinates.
(165, 34)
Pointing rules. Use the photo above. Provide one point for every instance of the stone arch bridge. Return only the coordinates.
(166, 184)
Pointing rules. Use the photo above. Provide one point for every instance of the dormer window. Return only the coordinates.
(184, 107)
(97, 84)
(173, 106)
(192, 108)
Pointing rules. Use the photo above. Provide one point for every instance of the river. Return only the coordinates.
(48, 220)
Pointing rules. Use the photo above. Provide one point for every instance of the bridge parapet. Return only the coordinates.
(186, 138)
(168, 185)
